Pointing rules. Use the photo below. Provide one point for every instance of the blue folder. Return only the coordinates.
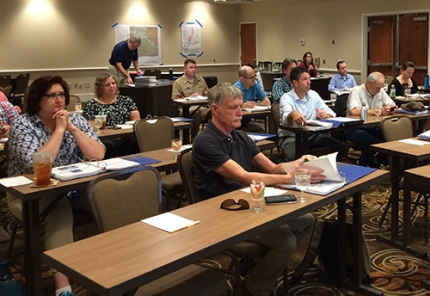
(142, 160)
(353, 172)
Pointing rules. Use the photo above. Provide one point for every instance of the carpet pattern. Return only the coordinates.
(394, 272)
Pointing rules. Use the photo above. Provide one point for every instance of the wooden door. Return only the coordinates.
(248, 43)
(380, 45)
(413, 43)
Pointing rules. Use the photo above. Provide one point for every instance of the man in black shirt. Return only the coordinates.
(222, 160)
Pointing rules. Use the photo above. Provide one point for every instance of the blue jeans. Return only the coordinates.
(365, 138)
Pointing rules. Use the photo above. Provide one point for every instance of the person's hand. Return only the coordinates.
(17, 109)
(322, 114)
(296, 117)
(205, 93)
(129, 80)
(393, 110)
(310, 67)
(316, 174)
(385, 110)
(139, 72)
(248, 104)
(61, 120)
(195, 95)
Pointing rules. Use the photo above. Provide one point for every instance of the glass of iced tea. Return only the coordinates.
(42, 165)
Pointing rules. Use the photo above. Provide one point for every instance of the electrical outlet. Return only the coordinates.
(80, 85)
(87, 85)
(75, 85)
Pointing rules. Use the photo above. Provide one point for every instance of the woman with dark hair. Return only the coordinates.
(308, 63)
(118, 109)
(405, 78)
(49, 127)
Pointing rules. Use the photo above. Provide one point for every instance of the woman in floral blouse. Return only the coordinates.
(49, 127)
(118, 109)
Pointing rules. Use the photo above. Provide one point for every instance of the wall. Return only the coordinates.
(281, 24)
(75, 38)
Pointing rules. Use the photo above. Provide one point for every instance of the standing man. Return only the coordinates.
(302, 104)
(371, 95)
(191, 85)
(341, 81)
(222, 162)
(283, 85)
(122, 55)
(253, 95)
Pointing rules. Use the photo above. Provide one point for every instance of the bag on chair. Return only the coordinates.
(8, 285)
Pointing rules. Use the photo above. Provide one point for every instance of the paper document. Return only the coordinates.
(77, 170)
(124, 126)
(119, 164)
(342, 92)
(3, 140)
(414, 142)
(196, 98)
(326, 163)
(257, 109)
(260, 137)
(15, 181)
(169, 222)
(268, 191)
(424, 136)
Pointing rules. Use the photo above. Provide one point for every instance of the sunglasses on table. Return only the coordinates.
(232, 205)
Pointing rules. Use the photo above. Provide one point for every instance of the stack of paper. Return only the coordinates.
(169, 222)
(316, 125)
(196, 98)
(424, 136)
(257, 109)
(145, 81)
(114, 164)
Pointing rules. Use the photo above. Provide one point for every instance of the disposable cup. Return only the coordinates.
(42, 165)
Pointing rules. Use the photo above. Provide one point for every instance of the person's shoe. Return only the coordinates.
(243, 290)
(66, 293)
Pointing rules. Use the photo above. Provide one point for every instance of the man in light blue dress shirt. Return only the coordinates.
(341, 81)
(302, 104)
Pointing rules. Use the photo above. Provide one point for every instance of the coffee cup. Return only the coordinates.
(42, 166)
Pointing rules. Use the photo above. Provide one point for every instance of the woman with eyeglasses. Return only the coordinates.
(48, 127)
(118, 108)
(404, 80)
(308, 63)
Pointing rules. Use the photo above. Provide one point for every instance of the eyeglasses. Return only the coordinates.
(252, 77)
(53, 96)
(232, 205)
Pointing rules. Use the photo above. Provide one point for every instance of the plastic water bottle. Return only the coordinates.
(426, 82)
(363, 112)
(170, 74)
(393, 91)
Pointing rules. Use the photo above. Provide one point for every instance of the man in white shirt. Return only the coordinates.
(371, 95)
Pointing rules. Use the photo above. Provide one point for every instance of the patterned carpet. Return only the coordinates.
(394, 272)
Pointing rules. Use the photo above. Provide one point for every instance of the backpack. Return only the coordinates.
(324, 243)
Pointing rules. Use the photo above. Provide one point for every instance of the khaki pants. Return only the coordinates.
(119, 76)
(58, 223)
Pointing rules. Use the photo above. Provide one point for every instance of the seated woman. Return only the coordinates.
(308, 63)
(118, 109)
(48, 127)
(405, 78)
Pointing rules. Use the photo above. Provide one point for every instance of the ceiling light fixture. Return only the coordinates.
(233, 1)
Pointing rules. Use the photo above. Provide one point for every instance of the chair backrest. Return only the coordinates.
(125, 197)
(397, 127)
(73, 99)
(211, 81)
(276, 115)
(5, 80)
(154, 133)
(341, 105)
(153, 72)
(185, 168)
(21, 84)
(7, 90)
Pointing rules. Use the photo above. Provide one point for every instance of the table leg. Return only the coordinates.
(298, 144)
(33, 250)
(186, 131)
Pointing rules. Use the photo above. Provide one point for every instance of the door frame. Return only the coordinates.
(256, 41)
(364, 46)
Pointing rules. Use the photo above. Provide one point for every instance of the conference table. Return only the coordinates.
(30, 210)
(120, 260)
(414, 153)
(302, 133)
(152, 100)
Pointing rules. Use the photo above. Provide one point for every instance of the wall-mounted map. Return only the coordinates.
(150, 48)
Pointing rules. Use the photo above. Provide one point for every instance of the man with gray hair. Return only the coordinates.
(284, 84)
(123, 54)
(223, 157)
(369, 94)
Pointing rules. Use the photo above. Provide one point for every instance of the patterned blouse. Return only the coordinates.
(28, 134)
(117, 113)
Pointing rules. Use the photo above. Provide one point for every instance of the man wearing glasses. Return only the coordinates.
(222, 162)
(370, 94)
(253, 95)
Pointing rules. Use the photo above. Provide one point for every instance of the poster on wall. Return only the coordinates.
(149, 50)
(191, 39)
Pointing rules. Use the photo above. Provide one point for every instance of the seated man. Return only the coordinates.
(369, 93)
(191, 85)
(283, 85)
(299, 105)
(253, 95)
(222, 161)
(257, 75)
(342, 80)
